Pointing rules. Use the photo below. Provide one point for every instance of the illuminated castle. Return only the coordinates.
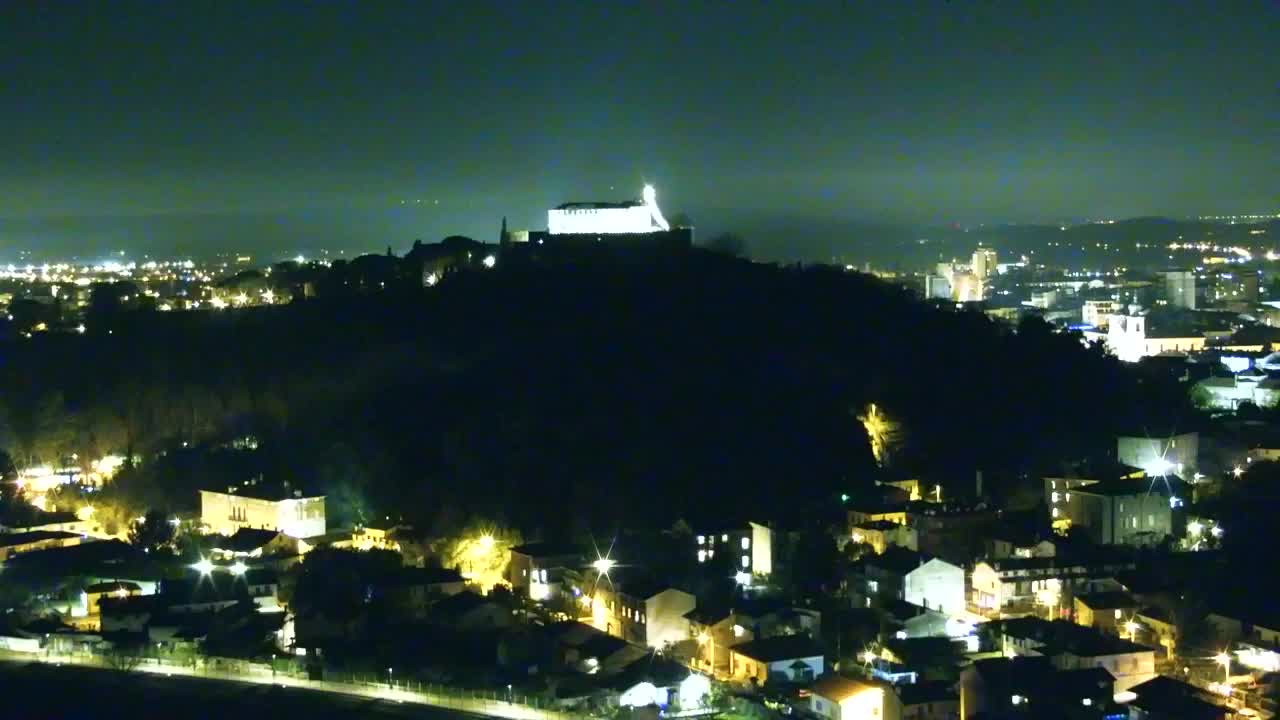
(635, 224)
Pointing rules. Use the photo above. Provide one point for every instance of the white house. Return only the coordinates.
(782, 659)
(920, 579)
(264, 507)
(840, 698)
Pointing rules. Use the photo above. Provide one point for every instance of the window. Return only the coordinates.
(702, 539)
(724, 537)
(1055, 496)
(1068, 497)
(746, 543)
(1117, 613)
(746, 561)
(702, 556)
(1055, 512)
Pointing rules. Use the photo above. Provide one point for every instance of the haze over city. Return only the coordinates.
(246, 125)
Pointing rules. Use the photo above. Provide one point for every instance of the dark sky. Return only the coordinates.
(910, 111)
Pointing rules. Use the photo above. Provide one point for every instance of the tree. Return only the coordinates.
(152, 533)
(728, 243)
(9, 490)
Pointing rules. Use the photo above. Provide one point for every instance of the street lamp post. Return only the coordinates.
(391, 678)
(1224, 660)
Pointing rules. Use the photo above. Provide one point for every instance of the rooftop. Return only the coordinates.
(33, 536)
(927, 692)
(1123, 488)
(599, 205)
(1164, 695)
(898, 560)
(838, 688)
(1114, 600)
(266, 490)
(1061, 636)
(783, 647)
(113, 586)
(877, 525)
(246, 540)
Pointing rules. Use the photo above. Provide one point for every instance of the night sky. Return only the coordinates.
(321, 119)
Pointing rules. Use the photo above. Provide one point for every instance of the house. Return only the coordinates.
(928, 701)
(641, 611)
(917, 621)
(265, 506)
(1072, 647)
(20, 542)
(540, 569)
(880, 534)
(1111, 612)
(715, 630)
(1004, 541)
(1031, 687)
(1121, 511)
(253, 543)
(1000, 584)
(1161, 454)
(836, 697)
(94, 593)
(902, 574)
(129, 615)
(1157, 629)
(415, 590)
(468, 611)
(590, 651)
(1165, 698)
(952, 531)
(783, 659)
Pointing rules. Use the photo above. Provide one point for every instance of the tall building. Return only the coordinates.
(1180, 288)
(984, 263)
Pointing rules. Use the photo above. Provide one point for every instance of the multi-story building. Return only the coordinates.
(641, 612)
(1121, 512)
(1074, 647)
(1161, 454)
(1180, 288)
(749, 546)
(262, 506)
(984, 263)
(882, 534)
(901, 574)
(1050, 581)
(541, 569)
(1097, 312)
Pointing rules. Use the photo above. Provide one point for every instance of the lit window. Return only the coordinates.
(711, 554)
(1086, 702)
(1053, 484)
(1055, 496)
(1055, 512)
(724, 537)
(746, 561)
(1117, 613)
(1016, 699)
(1068, 497)
(702, 539)
(746, 543)
(702, 556)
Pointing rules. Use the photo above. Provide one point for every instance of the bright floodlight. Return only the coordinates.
(85, 513)
(490, 261)
(1159, 467)
(238, 568)
(742, 578)
(204, 567)
(486, 542)
(603, 565)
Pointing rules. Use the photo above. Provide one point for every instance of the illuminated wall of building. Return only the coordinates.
(298, 517)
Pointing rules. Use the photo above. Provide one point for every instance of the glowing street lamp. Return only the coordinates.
(486, 543)
(204, 567)
(603, 565)
(239, 568)
(1237, 471)
(1224, 660)
(1194, 527)
(1132, 627)
(85, 513)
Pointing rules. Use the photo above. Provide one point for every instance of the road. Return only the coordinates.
(61, 686)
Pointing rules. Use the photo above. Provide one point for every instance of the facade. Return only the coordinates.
(937, 287)
(983, 265)
(642, 614)
(1177, 454)
(1097, 313)
(835, 697)
(999, 584)
(1228, 393)
(784, 659)
(263, 508)
(1072, 647)
(919, 579)
(1180, 289)
(882, 534)
(1121, 512)
(590, 218)
(1107, 611)
(1130, 340)
(541, 569)
(750, 547)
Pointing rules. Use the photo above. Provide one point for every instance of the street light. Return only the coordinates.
(1132, 627)
(204, 567)
(603, 565)
(239, 568)
(1224, 660)
(390, 677)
